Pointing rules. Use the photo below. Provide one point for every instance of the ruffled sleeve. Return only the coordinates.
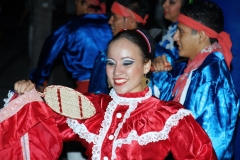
(50, 51)
(27, 129)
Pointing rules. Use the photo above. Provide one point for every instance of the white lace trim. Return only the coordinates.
(127, 101)
(10, 95)
(117, 100)
(81, 130)
(151, 136)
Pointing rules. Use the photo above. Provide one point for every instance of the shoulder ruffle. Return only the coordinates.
(151, 128)
(154, 115)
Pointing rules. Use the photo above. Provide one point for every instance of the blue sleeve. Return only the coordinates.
(162, 83)
(178, 64)
(50, 51)
(84, 44)
(77, 43)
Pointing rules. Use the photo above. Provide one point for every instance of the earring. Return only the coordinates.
(145, 81)
(109, 84)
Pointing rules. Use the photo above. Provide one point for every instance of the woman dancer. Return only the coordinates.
(129, 123)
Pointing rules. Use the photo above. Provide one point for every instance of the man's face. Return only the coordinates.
(187, 41)
(81, 8)
(117, 23)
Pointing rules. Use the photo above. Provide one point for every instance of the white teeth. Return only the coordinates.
(120, 81)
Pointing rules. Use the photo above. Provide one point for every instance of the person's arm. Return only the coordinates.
(162, 79)
(189, 141)
(162, 84)
(51, 49)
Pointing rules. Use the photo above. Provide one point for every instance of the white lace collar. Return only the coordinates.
(126, 101)
(117, 100)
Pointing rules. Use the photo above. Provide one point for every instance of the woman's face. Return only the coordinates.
(171, 9)
(125, 66)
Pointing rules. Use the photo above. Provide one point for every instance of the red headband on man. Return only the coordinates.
(223, 38)
(125, 12)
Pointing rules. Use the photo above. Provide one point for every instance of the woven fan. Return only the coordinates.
(68, 102)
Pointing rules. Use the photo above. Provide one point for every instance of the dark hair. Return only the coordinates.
(138, 39)
(207, 13)
(141, 7)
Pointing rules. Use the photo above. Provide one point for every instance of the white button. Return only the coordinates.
(111, 137)
(105, 158)
(119, 115)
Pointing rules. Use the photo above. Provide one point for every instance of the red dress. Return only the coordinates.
(137, 126)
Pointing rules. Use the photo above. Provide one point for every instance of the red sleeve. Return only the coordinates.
(31, 131)
(189, 141)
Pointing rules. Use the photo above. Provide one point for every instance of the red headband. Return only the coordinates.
(125, 12)
(223, 38)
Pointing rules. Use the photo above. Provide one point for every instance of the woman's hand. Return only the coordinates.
(23, 86)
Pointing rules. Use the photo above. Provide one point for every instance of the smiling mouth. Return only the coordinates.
(179, 46)
(119, 82)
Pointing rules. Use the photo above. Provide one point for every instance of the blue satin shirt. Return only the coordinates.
(77, 42)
